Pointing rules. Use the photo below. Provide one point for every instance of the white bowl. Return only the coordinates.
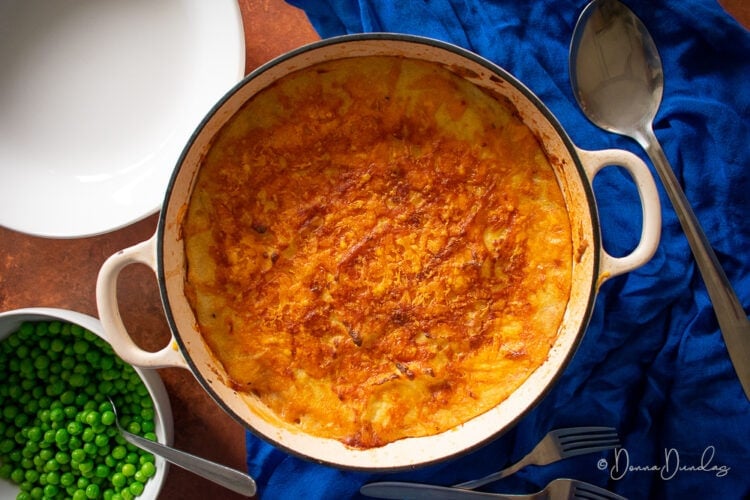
(98, 99)
(10, 321)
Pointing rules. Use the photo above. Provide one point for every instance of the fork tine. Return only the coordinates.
(577, 431)
(586, 491)
(584, 451)
(587, 440)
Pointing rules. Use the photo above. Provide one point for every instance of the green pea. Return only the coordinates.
(67, 479)
(67, 362)
(119, 452)
(10, 412)
(26, 330)
(21, 420)
(17, 476)
(68, 397)
(107, 363)
(41, 328)
(53, 478)
(56, 415)
(26, 367)
(78, 455)
(80, 346)
(49, 436)
(32, 406)
(61, 436)
(14, 392)
(93, 418)
(77, 380)
(140, 476)
(92, 491)
(108, 417)
(119, 480)
(86, 466)
(51, 466)
(148, 413)
(5, 471)
(74, 443)
(41, 362)
(89, 448)
(101, 471)
(88, 435)
(6, 445)
(136, 488)
(34, 434)
(30, 449)
(74, 428)
(101, 440)
(128, 470)
(62, 457)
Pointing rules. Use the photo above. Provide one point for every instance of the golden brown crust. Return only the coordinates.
(377, 249)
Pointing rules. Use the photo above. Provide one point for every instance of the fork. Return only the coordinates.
(558, 489)
(556, 445)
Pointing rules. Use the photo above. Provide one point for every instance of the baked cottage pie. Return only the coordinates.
(377, 249)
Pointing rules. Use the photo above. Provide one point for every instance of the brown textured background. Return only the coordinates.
(39, 272)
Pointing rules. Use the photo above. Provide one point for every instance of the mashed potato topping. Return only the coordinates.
(377, 249)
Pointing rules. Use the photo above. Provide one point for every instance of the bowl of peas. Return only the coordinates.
(58, 438)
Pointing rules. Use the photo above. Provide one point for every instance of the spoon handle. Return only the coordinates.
(733, 321)
(232, 479)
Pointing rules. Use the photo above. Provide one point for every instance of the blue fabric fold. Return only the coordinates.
(653, 363)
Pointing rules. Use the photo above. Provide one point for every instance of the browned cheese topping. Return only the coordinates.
(377, 249)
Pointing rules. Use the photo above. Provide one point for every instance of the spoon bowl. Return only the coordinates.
(618, 81)
(615, 68)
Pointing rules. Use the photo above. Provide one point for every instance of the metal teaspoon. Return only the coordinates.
(618, 81)
(232, 479)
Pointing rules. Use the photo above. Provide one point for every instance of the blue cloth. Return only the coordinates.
(652, 363)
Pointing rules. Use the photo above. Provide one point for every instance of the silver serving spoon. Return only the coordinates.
(617, 79)
(237, 481)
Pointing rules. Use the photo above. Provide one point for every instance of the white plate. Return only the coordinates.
(97, 100)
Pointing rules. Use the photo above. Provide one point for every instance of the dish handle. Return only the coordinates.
(109, 312)
(593, 162)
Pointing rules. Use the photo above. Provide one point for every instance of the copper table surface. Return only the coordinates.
(41, 272)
